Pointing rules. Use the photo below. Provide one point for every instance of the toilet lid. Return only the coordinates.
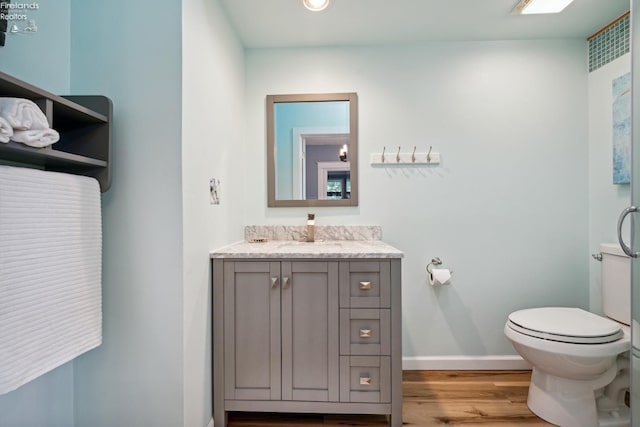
(564, 324)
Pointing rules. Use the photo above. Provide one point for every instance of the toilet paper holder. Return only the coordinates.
(434, 261)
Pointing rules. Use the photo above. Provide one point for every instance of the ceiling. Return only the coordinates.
(286, 23)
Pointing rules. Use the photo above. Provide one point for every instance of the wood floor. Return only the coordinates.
(434, 398)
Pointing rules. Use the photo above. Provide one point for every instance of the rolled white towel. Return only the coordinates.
(6, 131)
(36, 138)
(23, 114)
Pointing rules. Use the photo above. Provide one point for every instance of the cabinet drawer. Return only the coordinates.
(365, 331)
(365, 379)
(365, 284)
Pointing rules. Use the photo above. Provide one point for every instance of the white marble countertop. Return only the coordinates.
(317, 249)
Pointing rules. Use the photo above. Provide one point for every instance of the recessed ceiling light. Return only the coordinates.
(540, 6)
(316, 5)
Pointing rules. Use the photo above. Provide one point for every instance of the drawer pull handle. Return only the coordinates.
(285, 282)
(365, 381)
(365, 333)
(274, 282)
(365, 286)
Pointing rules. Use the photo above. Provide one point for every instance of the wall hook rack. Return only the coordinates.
(403, 159)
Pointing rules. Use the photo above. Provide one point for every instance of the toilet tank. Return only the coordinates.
(616, 283)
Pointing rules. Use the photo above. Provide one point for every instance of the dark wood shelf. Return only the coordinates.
(84, 125)
(17, 152)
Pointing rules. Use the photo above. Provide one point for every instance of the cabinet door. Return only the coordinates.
(252, 330)
(310, 332)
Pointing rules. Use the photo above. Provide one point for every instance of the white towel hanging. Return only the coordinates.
(50, 271)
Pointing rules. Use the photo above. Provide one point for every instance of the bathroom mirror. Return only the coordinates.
(312, 150)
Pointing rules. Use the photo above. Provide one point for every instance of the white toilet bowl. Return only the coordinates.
(580, 365)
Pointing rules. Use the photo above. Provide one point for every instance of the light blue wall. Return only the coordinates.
(131, 52)
(506, 209)
(46, 401)
(41, 58)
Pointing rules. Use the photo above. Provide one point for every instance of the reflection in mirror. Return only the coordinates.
(312, 150)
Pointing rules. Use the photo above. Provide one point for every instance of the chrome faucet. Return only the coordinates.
(311, 227)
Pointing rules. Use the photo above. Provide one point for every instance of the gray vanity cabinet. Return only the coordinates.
(309, 335)
(281, 331)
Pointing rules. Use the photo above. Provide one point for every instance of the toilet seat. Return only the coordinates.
(565, 324)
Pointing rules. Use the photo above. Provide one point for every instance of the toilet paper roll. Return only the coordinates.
(440, 276)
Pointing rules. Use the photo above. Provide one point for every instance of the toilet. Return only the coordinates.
(580, 360)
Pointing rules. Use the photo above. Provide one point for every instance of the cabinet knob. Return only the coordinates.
(365, 286)
(285, 282)
(274, 282)
(365, 333)
(365, 381)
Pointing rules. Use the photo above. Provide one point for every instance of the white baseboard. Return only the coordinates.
(464, 363)
(210, 423)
